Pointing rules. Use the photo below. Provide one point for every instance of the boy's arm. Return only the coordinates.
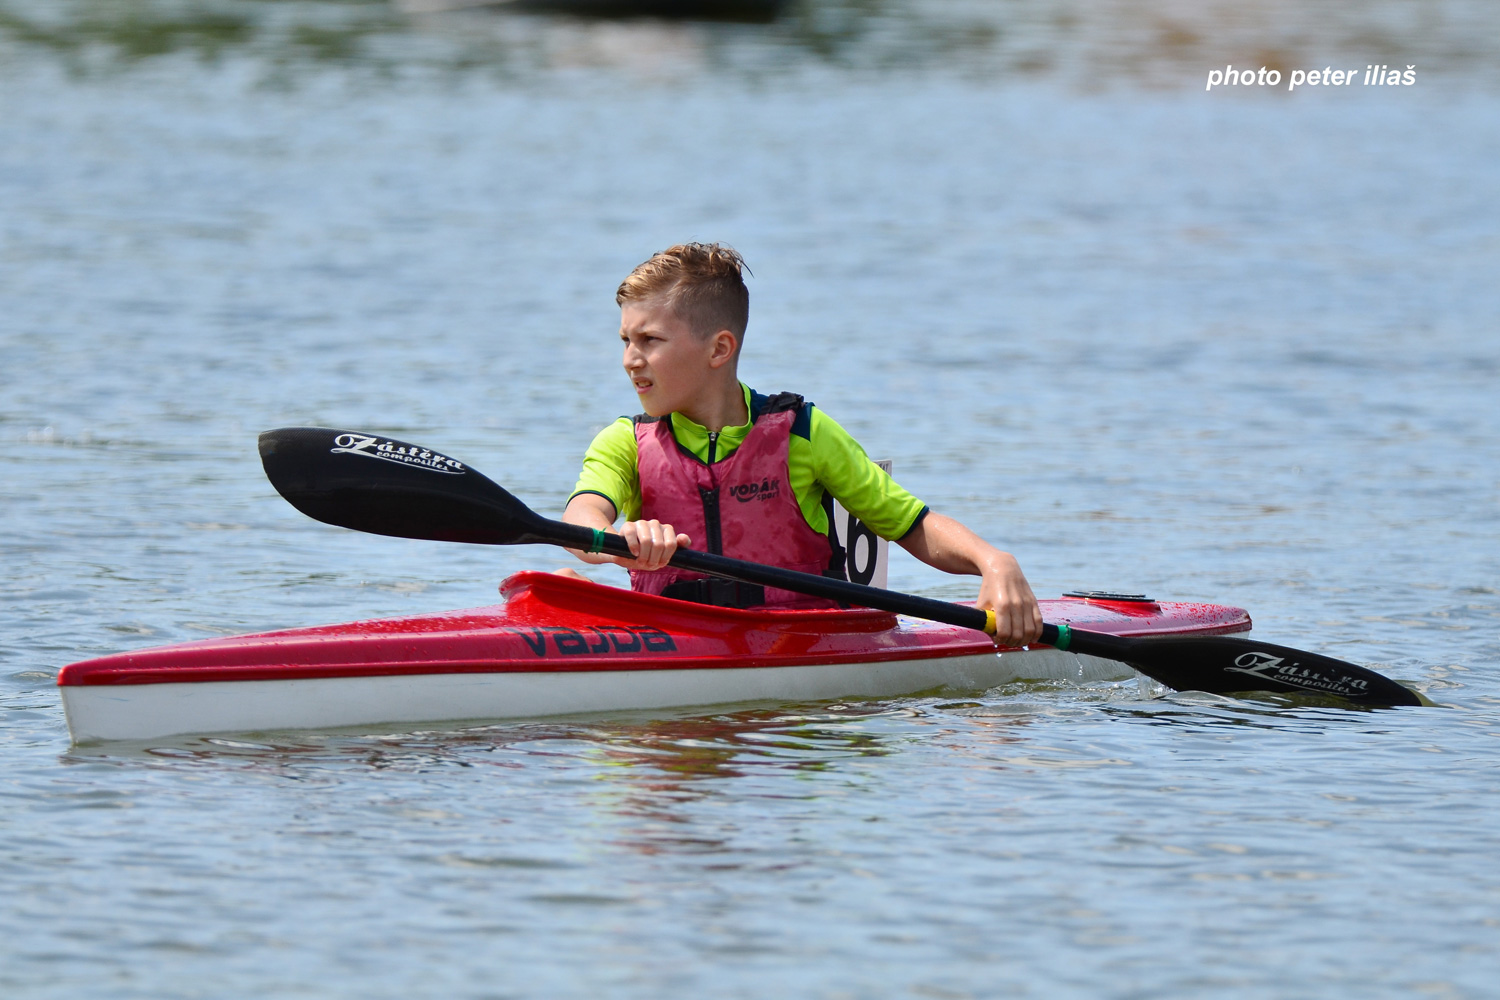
(945, 544)
(652, 542)
(609, 475)
(939, 541)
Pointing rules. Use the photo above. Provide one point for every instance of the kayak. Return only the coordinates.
(562, 646)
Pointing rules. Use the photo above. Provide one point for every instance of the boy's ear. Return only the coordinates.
(723, 346)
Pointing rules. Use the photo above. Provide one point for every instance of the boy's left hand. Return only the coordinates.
(1004, 590)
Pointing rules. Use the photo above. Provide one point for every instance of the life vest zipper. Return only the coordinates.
(710, 497)
(715, 539)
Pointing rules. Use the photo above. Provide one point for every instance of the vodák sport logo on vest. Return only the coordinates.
(766, 489)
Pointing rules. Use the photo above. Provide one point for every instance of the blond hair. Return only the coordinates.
(702, 283)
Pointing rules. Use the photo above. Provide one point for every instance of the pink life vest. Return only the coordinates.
(742, 507)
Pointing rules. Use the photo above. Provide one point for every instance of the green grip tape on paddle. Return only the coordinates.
(1064, 637)
(597, 545)
(1057, 636)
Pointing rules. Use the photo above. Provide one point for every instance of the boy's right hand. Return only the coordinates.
(652, 543)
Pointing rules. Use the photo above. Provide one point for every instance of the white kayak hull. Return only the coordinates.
(151, 711)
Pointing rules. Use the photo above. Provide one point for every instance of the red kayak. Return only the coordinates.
(560, 646)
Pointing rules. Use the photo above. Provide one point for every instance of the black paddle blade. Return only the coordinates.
(1222, 664)
(373, 483)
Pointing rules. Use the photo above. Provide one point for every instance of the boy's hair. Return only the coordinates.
(702, 284)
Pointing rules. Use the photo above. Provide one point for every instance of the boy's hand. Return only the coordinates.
(652, 543)
(1018, 617)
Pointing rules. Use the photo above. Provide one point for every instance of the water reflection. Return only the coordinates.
(1159, 43)
(646, 778)
(668, 754)
(653, 759)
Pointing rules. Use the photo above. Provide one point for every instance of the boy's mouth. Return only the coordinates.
(641, 384)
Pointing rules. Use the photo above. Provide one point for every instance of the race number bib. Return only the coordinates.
(866, 554)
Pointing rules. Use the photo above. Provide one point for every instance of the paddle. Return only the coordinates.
(373, 483)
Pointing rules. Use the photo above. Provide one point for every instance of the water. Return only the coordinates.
(1237, 347)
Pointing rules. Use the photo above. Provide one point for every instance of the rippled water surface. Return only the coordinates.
(1235, 346)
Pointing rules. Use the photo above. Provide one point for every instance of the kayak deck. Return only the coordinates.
(564, 646)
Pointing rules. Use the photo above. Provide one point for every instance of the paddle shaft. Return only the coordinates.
(576, 536)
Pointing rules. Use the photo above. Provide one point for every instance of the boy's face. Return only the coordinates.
(667, 363)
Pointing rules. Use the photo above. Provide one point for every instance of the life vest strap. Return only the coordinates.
(716, 592)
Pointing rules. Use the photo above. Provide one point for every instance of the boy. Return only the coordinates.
(714, 466)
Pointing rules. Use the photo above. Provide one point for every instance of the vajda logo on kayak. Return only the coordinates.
(394, 451)
(605, 639)
(766, 489)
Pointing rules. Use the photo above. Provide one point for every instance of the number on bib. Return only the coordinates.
(866, 554)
